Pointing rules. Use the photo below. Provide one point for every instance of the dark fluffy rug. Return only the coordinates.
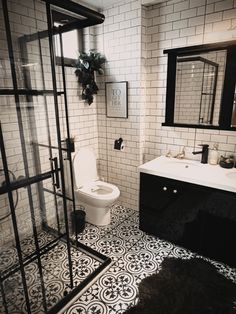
(186, 287)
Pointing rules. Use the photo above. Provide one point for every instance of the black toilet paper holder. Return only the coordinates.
(118, 144)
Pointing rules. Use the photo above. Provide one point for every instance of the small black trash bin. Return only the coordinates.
(78, 220)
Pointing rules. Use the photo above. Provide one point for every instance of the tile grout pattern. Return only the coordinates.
(135, 256)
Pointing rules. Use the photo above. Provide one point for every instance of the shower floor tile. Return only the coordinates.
(28, 246)
(55, 273)
(8, 258)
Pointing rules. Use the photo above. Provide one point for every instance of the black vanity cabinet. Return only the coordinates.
(198, 218)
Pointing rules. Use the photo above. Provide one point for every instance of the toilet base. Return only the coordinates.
(96, 215)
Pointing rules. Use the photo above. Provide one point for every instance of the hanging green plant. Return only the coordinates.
(86, 65)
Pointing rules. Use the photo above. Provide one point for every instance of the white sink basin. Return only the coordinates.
(181, 164)
(231, 175)
(193, 172)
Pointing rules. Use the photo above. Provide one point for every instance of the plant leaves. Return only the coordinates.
(86, 65)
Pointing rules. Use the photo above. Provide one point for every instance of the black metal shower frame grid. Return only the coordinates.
(25, 160)
(104, 260)
(27, 92)
(11, 186)
(30, 258)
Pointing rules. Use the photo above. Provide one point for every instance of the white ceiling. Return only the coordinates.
(98, 4)
(102, 4)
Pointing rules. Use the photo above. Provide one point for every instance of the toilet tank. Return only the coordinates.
(85, 167)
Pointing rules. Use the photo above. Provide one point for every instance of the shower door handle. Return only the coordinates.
(56, 171)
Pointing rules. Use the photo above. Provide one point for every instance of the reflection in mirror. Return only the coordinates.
(233, 121)
(199, 82)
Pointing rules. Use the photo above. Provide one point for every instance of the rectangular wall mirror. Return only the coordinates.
(201, 86)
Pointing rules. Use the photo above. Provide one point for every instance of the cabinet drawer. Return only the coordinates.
(158, 193)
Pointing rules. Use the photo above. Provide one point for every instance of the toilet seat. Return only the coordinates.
(99, 190)
(96, 196)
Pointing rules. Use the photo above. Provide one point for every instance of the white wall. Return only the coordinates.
(133, 39)
(176, 24)
(119, 38)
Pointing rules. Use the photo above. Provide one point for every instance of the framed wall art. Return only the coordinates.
(117, 99)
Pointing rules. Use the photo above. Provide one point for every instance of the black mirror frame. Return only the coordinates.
(227, 98)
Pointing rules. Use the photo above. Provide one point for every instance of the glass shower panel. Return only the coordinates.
(22, 125)
(53, 207)
(5, 67)
(12, 135)
(26, 29)
(43, 132)
(28, 217)
(13, 288)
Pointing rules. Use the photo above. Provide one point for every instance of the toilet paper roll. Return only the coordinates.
(122, 146)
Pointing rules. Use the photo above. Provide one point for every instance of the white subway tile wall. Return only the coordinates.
(134, 50)
(218, 28)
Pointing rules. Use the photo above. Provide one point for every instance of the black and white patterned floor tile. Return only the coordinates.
(135, 256)
(82, 267)
(224, 269)
(112, 246)
(128, 231)
(92, 307)
(93, 233)
(28, 246)
(113, 293)
(10, 308)
(90, 234)
(142, 261)
(179, 252)
(154, 244)
(55, 274)
(57, 263)
(13, 290)
(8, 258)
(121, 211)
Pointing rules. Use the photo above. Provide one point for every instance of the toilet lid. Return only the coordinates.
(85, 167)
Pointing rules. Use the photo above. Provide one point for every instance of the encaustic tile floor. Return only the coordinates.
(135, 255)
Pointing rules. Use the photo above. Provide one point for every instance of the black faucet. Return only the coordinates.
(204, 153)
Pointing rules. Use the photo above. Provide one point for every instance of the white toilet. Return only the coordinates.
(95, 195)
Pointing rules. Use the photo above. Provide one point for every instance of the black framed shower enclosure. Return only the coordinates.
(39, 255)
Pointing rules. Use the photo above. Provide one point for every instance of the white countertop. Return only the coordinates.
(193, 172)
